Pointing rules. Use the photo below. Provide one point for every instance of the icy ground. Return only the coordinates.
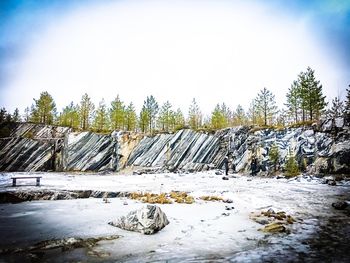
(199, 232)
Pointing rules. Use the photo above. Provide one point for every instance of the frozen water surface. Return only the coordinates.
(203, 231)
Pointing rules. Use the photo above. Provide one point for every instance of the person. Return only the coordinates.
(226, 164)
(234, 167)
(233, 163)
(253, 166)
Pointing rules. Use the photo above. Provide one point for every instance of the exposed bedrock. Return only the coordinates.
(30, 195)
(33, 147)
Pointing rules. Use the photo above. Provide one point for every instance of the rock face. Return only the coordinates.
(147, 220)
(184, 150)
(87, 151)
(34, 147)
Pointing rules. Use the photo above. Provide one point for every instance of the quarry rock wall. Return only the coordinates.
(36, 147)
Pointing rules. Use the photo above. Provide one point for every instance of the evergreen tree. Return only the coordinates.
(239, 116)
(347, 107)
(165, 116)
(253, 115)
(282, 117)
(86, 110)
(291, 167)
(310, 92)
(337, 109)
(101, 117)
(274, 156)
(293, 100)
(178, 120)
(144, 119)
(227, 113)
(44, 109)
(218, 120)
(26, 114)
(151, 106)
(130, 118)
(15, 116)
(194, 115)
(266, 105)
(3, 114)
(117, 114)
(70, 116)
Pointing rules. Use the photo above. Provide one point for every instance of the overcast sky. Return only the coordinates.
(216, 51)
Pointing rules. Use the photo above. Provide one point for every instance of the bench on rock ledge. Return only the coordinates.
(15, 178)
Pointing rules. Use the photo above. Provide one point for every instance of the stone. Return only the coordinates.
(340, 205)
(225, 178)
(147, 220)
(331, 182)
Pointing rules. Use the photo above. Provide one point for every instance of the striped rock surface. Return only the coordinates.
(31, 147)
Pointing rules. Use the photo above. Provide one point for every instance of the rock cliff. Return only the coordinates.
(34, 147)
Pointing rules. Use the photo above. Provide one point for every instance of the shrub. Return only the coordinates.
(291, 168)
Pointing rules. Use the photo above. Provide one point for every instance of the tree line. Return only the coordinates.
(305, 102)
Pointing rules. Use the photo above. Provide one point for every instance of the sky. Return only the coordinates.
(215, 51)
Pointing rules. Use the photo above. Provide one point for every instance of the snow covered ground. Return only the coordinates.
(202, 231)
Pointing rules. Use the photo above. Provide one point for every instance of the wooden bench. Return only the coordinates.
(15, 178)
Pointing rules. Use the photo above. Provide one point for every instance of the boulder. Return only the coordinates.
(147, 220)
(340, 205)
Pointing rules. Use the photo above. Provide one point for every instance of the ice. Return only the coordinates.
(199, 231)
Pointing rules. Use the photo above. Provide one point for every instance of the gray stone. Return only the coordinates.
(340, 205)
(147, 220)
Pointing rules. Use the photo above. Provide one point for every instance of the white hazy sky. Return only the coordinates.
(215, 51)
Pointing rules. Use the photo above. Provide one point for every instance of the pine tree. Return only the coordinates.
(310, 92)
(194, 115)
(178, 120)
(26, 114)
(266, 105)
(218, 120)
(347, 107)
(117, 114)
(44, 109)
(130, 118)
(3, 114)
(227, 113)
(274, 156)
(100, 123)
(293, 100)
(165, 116)
(86, 110)
(291, 167)
(15, 116)
(144, 119)
(70, 116)
(151, 106)
(239, 116)
(253, 115)
(337, 109)
(282, 117)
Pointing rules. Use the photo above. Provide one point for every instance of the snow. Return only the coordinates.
(196, 231)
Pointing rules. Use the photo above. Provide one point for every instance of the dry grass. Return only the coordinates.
(151, 198)
(163, 198)
(181, 197)
(211, 198)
